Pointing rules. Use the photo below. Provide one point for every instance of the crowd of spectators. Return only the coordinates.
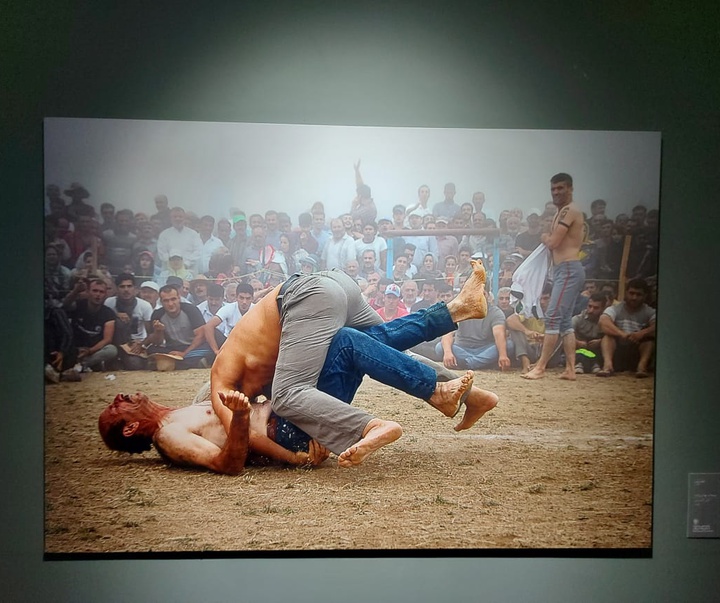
(123, 286)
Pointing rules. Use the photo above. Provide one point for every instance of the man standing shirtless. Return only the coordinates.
(564, 241)
(293, 327)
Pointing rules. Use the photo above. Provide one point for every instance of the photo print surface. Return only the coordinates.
(164, 240)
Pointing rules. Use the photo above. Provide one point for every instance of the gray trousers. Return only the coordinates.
(314, 308)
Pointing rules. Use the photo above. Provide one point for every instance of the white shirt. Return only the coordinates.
(230, 316)
(337, 253)
(205, 311)
(206, 252)
(185, 240)
(378, 245)
(142, 312)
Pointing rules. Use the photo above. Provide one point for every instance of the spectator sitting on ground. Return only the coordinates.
(227, 317)
(178, 329)
(478, 343)
(503, 302)
(508, 267)
(527, 334)
(150, 292)
(588, 336)
(628, 333)
(93, 324)
(213, 303)
(198, 289)
(131, 322)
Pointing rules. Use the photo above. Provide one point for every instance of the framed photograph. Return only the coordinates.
(554, 451)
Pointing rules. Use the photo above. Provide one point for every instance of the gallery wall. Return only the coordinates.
(615, 66)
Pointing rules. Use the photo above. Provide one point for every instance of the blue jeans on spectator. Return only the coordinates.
(484, 357)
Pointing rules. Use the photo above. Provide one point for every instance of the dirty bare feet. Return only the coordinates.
(568, 375)
(471, 301)
(478, 402)
(448, 396)
(535, 373)
(377, 434)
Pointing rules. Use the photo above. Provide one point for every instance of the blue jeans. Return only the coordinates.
(484, 357)
(375, 351)
(568, 280)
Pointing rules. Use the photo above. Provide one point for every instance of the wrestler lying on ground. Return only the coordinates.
(193, 435)
(294, 328)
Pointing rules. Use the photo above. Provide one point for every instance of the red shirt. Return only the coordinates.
(401, 311)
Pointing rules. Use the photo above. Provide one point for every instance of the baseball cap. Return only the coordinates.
(392, 290)
(150, 285)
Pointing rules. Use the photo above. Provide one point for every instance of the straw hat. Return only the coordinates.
(165, 362)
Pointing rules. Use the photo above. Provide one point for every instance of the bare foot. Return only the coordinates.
(378, 433)
(471, 301)
(478, 402)
(568, 375)
(448, 396)
(534, 374)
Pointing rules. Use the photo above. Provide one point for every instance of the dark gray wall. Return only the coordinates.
(618, 65)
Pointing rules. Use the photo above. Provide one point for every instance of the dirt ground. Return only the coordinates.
(555, 465)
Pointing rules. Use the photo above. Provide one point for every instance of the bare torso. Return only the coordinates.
(247, 360)
(569, 224)
(199, 419)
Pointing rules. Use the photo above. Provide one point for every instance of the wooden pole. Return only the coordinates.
(623, 267)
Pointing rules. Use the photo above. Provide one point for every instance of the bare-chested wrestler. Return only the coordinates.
(293, 327)
(564, 241)
(193, 435)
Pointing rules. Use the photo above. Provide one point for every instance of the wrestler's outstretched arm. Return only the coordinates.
(183, 447)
